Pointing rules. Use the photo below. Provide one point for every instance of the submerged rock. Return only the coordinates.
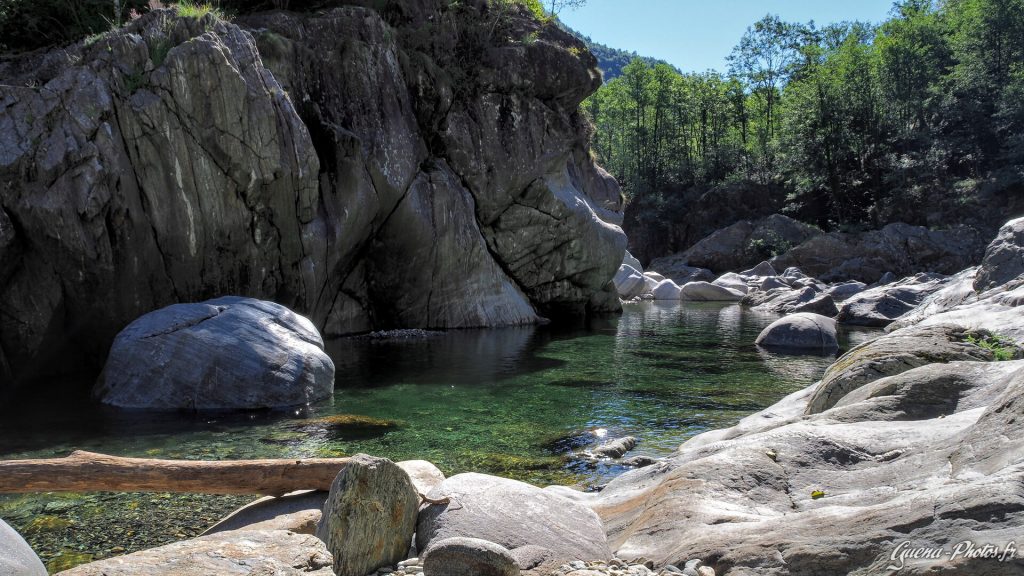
(228, 353)
(254, 553)
(616, 448)
(369, 517)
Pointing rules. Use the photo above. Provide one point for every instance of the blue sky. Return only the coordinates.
(696, 35)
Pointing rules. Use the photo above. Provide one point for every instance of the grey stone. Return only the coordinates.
(228, 353)
(666, 290)
(748, 242)
(630, 260)
(771, 283)
(675, 268)
(802, 331)
(899, 248)
(254, 553)
(764, 270)
(369, 517)
(844, 291)
(424, 475)
(512, 514)
(1004, 257)
(707, 292)
(616, 448)
(890, 355)
(16, 556)
(297, 512)
(733, 281)
(468, 557)
(881, 305)
(629, 282)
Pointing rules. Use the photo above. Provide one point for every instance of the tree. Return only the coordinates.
(555, 6)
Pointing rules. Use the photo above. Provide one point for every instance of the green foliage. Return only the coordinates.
(1002, 349)
(193, 9)
(852, 125)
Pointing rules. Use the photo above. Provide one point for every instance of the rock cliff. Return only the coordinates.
(412, 165)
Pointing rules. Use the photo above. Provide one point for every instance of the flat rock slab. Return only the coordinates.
(227, 353)
(298, 512)
(369, 517)
(260, 553)
(512, 514)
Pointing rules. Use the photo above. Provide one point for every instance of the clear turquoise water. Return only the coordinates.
(517, 402)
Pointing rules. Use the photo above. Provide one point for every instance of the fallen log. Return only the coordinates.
(91, 472)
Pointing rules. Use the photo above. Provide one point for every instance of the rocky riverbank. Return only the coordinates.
(907, 457)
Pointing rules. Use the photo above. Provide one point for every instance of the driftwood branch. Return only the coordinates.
(91, 472)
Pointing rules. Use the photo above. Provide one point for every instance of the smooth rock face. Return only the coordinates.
(890, 355)
(228, 353)
(1004, 257)
(733, 281)
(299, 512)
(259, 158)
(881, 305)
(629, 282)
(802, 331)
(707, 292)
(255, 553)
(666, 290)
(424, 475)
(676, 269)
(746, 243)
(369, 517)
(468, 557)
(922, 457)
(512, 514)
(16, 556)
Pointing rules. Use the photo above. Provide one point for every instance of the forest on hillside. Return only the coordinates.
(847, 126)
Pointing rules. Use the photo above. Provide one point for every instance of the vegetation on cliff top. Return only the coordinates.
(919, 119)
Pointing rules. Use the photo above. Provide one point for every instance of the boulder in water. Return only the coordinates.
(802, 331)
(227, 353)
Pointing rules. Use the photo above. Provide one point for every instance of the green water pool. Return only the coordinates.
(520, 402)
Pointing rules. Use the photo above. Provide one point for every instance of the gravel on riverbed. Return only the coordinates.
(614, 567)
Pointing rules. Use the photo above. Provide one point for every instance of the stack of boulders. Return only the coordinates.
(812, 308)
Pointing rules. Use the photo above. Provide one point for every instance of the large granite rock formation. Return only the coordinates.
(347, 163)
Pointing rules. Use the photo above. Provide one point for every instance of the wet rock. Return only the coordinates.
(369, 517)
(228, 353)
(512, 514)
(237, 552)
(707, 292)
(616, 448)
(802, 331)
(16, 556)
(468, 557)
(1004, 257)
